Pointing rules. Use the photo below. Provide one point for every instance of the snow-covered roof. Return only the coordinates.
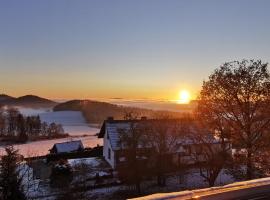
(113, 129)
(66, 147)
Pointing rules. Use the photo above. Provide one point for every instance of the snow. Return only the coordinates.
(69, 146)
(95, 165)
(42, 147)
(93, 162)
(30, 185)
(73, 123)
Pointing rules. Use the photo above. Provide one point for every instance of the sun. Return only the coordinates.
(184, 97)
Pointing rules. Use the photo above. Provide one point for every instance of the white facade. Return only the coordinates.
(108, 152)
(112, 147)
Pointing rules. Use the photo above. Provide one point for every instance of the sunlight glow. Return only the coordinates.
(184, 97)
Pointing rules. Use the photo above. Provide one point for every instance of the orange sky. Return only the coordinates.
(124, 49)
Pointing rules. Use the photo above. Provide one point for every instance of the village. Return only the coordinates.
(171, 155)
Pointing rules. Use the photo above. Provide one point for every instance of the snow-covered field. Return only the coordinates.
(42, 147)
(73, 123)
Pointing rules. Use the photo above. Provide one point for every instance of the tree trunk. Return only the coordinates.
(249, 174)
(211, 182)
(138, 187)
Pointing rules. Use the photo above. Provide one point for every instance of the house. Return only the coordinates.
(67, 147)
(110, 132)
(113, 149)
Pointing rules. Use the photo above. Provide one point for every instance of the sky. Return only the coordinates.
(125, 49)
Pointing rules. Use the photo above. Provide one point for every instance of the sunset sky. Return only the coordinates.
(125, 49)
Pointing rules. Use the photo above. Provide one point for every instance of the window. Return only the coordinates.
(109, 153)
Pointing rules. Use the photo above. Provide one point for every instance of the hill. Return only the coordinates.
(4, 97)
(97, 112)
(26, 101)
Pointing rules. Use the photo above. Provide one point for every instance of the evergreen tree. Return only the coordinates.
(10, 180)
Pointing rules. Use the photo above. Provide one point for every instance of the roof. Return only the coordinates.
(119, 122)
(114, 127)
(113, 132)
(66, 147)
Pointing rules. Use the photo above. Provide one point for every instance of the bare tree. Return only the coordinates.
(163, 136)
(132, 142)
(237, 96)
(208, 153)
(12, 114)
(2, 122)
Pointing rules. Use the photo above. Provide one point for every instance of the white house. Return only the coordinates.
(112, 148)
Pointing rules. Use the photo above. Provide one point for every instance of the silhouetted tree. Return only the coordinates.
(44, 128)
(236, 100)
(10, 180)
(2, 122)
(12, 114)
(132, 142)
(61, 175)
(207, 152)
(163, 135)
(55, 129)
(22, 136)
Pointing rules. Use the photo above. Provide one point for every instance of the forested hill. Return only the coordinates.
(97, 112)
(26, 101)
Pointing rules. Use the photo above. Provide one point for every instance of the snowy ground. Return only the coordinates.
(92, 162)
(93, 166)
(73, 123)
(42, 147)
(191, 180)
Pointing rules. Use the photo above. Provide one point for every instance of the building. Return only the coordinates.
(67, 147)
(113, 149)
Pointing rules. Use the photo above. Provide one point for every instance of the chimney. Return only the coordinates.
(143, 118)
(110, 118)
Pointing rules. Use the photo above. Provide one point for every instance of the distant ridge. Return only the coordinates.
(96, 112)
(4, 97)
(26, 101)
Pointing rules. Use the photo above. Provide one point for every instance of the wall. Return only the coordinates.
(106, 146)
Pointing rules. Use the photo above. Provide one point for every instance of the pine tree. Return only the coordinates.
(10, 180)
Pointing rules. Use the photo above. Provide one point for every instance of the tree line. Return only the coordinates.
(14, 127)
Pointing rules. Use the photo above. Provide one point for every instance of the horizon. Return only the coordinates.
(130, 50)
(113, 100)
